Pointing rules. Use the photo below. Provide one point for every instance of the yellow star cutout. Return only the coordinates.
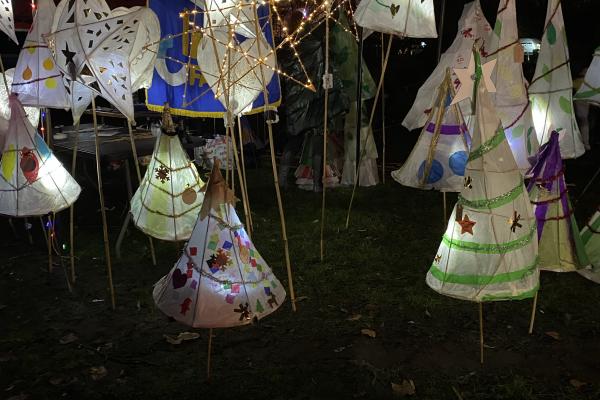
(466, 76)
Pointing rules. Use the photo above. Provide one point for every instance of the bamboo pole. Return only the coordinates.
(481, 333)
(242, 182)
(102, 208)
(210, 331)
(250, 227)
(533, 311)
(275, 176)
(139, 176)
(383, 174)
(326, 84)
(72, 208)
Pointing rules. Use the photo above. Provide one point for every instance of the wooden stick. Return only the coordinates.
(72, 208)
(241, 179)
(383, 174)
(28, 230)
(250, 226)
(325, 118)
(48, 241)
(481, 332)
(379, 86)
(533, 310)
(210, 331)
(275, 176)
(102, 208)
(139, 176)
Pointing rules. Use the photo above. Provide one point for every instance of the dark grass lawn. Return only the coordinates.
(372, 278)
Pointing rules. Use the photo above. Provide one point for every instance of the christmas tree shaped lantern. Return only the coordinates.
(510, 98)
(405, 18)
(590, 88)
(33, 113)
(590, 236)
(551, 88)
(32, 180)
(220, 280)
(168, 200)
(439, 158)
(37, 80)
(471, 27)
(561, 249)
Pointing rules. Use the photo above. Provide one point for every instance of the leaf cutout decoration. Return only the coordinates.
(547, 76)
(498, 27)
(565, 105)
(517, 131)
(551, 33)
(529, 133)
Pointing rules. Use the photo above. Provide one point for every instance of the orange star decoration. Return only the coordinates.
(466, 76)
(466, 225)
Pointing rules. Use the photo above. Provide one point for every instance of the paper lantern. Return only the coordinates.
(489, 250)
(38, 82)
(238, 14)
(510, 98)
(405, 18)
(33, 114)
(561, 249)
(231, 67)
(32, 180)
(7, 22)
(590, 236)
(439, 158)
(221, 280)
(551, 88)
(590, 88)
(471, 26)
(168, 200)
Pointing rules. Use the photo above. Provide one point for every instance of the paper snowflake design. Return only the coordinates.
(162, 173)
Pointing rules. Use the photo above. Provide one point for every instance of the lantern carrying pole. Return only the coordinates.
(209, 351)
(327, 83)
(243, 165)
(72, 208)
(481, 333)
(533, 311)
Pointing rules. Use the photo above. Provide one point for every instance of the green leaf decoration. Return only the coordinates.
(551, 33)
(565, 105)
(547, 76)
(498, 27)
(529, 133)
(518, 131)
(259, 307)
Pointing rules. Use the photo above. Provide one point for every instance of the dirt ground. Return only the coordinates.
(55, 344)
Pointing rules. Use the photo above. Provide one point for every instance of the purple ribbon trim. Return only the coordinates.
(447, 129)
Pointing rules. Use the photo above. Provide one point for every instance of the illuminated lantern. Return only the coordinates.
(439, 158)
(220, 280)
(32, 180)
(489, 251)
(33, 113)
(551, 88)
(561, 249)
(37, 80)
(405, 18)
(590, 236)
(238, 14)
(168, 200)
(510, 98)
(471, 26)
(590, 88)
(7, 22)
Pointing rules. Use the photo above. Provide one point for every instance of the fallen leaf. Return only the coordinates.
(98, 373)
(577, 383)
(406, 388)
(428, 313)
(57, 380)
(369, 332)
(21, 396)
(553, 335)
(68, 338)
(301, 298)
(181, 337)
(354, 317)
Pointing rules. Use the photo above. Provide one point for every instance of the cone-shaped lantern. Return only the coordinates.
(167, 203)
(489, 251)
(7, 21)
(32, 180)
(590, 236)
(561, 249)
(220, 280)
(590, 88)
(405, 18)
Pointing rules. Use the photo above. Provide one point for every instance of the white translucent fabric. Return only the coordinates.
(406, 18)
(490, 258)
(510, 98)
(590, 88)
(37, 80)
(471, 26)
(551, 89)
(239, 14)
(167, 202)
(232, 69)
(590, 236)
(221, 280)
(439, 157)
(32, 180)
(368, 174)
(33, 113)
(7, 21)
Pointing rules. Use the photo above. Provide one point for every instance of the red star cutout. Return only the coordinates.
(466, 225)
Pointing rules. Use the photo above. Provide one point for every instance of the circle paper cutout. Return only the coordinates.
(436, 171)
(458, 162)
(189, 196)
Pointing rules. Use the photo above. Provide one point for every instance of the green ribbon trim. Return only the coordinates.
(482, 280)
(494, 202)
(491, 248)
(488, 146)
(509, 296)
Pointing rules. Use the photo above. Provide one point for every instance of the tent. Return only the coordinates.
(590, 236)
(405, 18)
(220, 280)
(510, 98)
(561, 249)
(551, 88)
(488, 251)
(440, 155)
(32, 180)
(168, 200)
